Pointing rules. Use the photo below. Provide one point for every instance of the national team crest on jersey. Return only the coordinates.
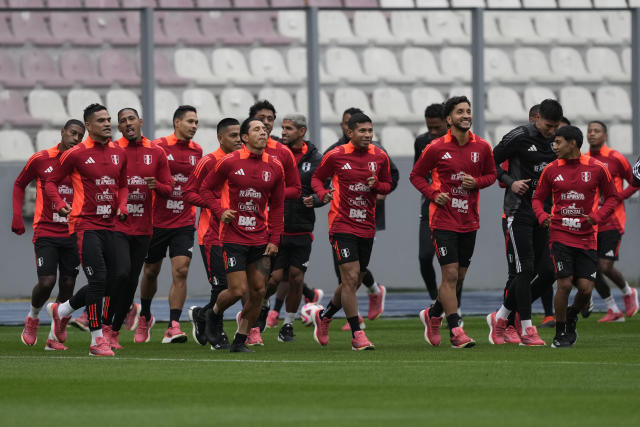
(115, 159)
(345, 252)
(147, 159)
(373, 166)
(475, 157)
(193, 160)
(266, 176)
(586, 176)
(306, 167)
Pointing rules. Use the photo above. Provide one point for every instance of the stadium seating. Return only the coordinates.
(16, 145)
(410, 27)
(447, 26)
(604, 64)
(504, 102)
(292, 24)
(567, 63)
(381, 63)
(532, 64)
(118, 99)
(344, 98)
(235, 102)
(373, 26)
(456, 62)
(38, 66)
(297, 65)
(47, 138)
(423, 96)
(397, 140)
(613, 101)
(192, 64)
(208, 110)
(70, 27)
(268, 63)
(329, 137)
(281, 99)
(10, 75)
(164, 72)
(327, 113)
(260, 26)
(536, 94)
(220, 27)
(165, 103)
(498, 68)
(207, 138)
(579, 104)
(621, 138)
(419, 63)
(343, 63)
(47, 105)
(116, 66)
(78, 67)
(390, 104)
(230, 65)
(553, 27)
(78, 99)
(333, 26)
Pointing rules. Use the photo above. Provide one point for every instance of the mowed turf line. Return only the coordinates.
(404, 381)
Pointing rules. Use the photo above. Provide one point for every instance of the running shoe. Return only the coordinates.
(29, 334)
(262, 318)
(317, 297)
(587, 309)
(81, 322)
(131, 321)
(213, 330)
(112, 336)
(497, 328)
(58, 324)
(431, 327)
(321, 328)
(102, 348)
(631, 302)
(143, 331)
(572, 329)
(460, 340)
(612, 316)
(347, 327)
(548, 322)
(286, 333)
(376, 303)
(254, 337)
(240, 348)
(173, 334)
(361, 342)
(272, 319)
(221, 343)
(531, 338)
(561, 341)
(53, 345)
(511, 335)
(198, 325)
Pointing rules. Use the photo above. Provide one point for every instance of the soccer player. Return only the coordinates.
(528, 150)
(147, 175)
(239, 191)
(53, 247)
(460, 164)
(98, 170)
(437, 127)
(610, 232)
(228, 130)
(294, 250)
(173, 227)
(359, 172)
(575, 182)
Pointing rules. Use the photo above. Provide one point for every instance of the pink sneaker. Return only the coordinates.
(631, 303)
(431, 327)
(112, 336)
(317, 296)
(531, 338)
(102, 348)
(272, 319)
(612, 316)
(81, 322)
(58, 325)
(131, 321)
(346, 326)
(361, 342)
(53, 345)
(173, 334)
(497, 328)
(143, 331)
(376, 303)
(29, 334)
(511, 335)
(460, 340)
(321, 328)
(254, 337)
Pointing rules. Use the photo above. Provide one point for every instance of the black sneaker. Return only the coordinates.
(213, 328)
(262, 318)
(222, 344)
(286, 333)
(198, 325)
(561, 341)
(587, 309)
(572, 331)
(240, 348)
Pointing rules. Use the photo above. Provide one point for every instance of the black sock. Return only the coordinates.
(308, 292)
(329, 311)
(79, 299)
(174, 315)
(436, 309)
(511, 320)
(145, 308)
(453, 321)
(368, 280)
(572, 312)
(354, 323)
(278, 305)
(239, 339)
(561, 328)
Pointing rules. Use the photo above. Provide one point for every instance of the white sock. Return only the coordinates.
(374, 289)
(65, 309)
(95, 334)
(34, 312)
(52, 335)
(525, 324)
(289, 317)
(459, 312)
(503, 312)
(611, 304)
(627, 289)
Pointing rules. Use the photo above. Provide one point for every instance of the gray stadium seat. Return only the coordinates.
(14, 111)
(621, 138)
(515, 4)
(447, 25)
(397, 3)
(574, 3)
(604, 63)
(79, 99)
(118, 99)
(333, 26)
(47, 105)
(297, 65)
(492, 35)
(497, 67)
(229, 64)
(269, 63)
(38, 66)
(47, 138)
(532, 63)
(615, 101)
(459, 91)
(419, 63)
(517, 27)
(292, 24)
(261, 26)
(281, 99)
(536, 94)
(117, 66)
(192, 64)
(626, 60)
(213, 3)
(432, 3)
(423, 96)
(77, 66)
(382, 64)
(164, 73)
(183, 27)
(235, 102)
(397, 140)
(250, 3)
(590, 26)
(359, 3)
(165, 103)
(287, 3)
(619, 25)
(10, 76)
(327, 113)
(176, 3)
(107, 26)
(390, 103)
(504, 102)
(372, 25)
(577, 102)
(7, 37)
(16, 145)
(500, 131)
(132, 23)
(532, 4)
(343, 63)
(329, 137)
(410, 27)
(456, 61)
(207, 137)
(70, 27)
(33, 26)
(467, 3)
(554, 27)
(207, 105)
(567, 62)
(344, 98)
(610, 4)
(220, 27)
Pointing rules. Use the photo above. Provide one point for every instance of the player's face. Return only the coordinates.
(186, 127)
(71, 135)
(362, 135)
(267, 117)
(229, 139)
(257, 135)
(596, 135)
(437, 127)
(563, 148)
(290, 133)
(460, 117)
(345, 124)
(99, 125)
(130, 125)
(546, 127)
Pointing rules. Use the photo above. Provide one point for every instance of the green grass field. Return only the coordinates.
(404, 381)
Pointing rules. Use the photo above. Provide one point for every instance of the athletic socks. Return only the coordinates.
(329, 311)
(145, 308)
(374, 289)
(34, 312)
(453, 321)
(239, 339)
(526, 324)
(436, 309)
(503, 312)
(561, 327)
(278, 305)
(611, 304)
(174, 315)
(65, 309)
(95, 334)
(354, 323)
(627, 289)
(289, 317)
(307, 292)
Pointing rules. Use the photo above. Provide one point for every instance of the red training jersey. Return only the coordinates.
(144, 159)
(575, 185)
(353, 207)
(620, 170)
(248, 184)
(46, 221)
(448, 161)
(99, 177)
(293, 187)
(174, 211)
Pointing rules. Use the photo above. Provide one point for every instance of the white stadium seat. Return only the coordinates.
(500, 131)
(532, 4)
(614, 101)
(398, 141)
(517, 27)
(619, 25)
(118, 99)
(47, 138)
(621, 138)
(329, 137)
(206, 104)
(343, 63)
(456, 61)
(419, 63)
(536, 94)
(460, 91)
(165, 104)
(604, 63)
(574, 3)
(467, 3)
(16, 145)
(292, 24)
(390, 104)
(344, 98)
(497, 67)
(192, 64)
(283, 101)
(235, 102)
(577, 103)
(373, 26)
(47, 105)
(333, 26)
(504, 102)
(492, 35)
(421, 97)
(447, 25)
(269, 63)
(410, 27)
(514, 4)
(79, 99)
(432, 3)
(610, 3)
(554, 27)
(567, 63)
(207, 138)
(532, 64)
(297, 64)
(626, 60)
(590, 26)
(327, 113)
(230, 65)
(382, 64)
(397, 3)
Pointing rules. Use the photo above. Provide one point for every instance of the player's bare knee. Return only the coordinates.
(47, 282)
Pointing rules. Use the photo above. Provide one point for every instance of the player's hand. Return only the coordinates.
(307, 201)
(442, 199)
(271, 250)
(521, 186)
(121, 216)
(17, 226)
(381, 196)
(66, 210)
(328, 196)
(468, 182)
(371, 181)
(546, 222)
(589, 219)
(151, 182)
(228, 216)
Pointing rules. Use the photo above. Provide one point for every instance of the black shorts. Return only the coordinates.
(238, 257)
(294, 251)
(178, 240)
(214, 264)
(452, 247)
(53, 253)
(350, 248)
(609, 244)
(576, 262)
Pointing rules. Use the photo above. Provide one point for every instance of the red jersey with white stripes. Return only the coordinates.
(99, 177)
(174, 211)
(144, 159)
(293, 187)
(208, 226)
(253, 186)
(575, 185)
(46, 220)
(448, 161)
(620, 170)
(353, 207)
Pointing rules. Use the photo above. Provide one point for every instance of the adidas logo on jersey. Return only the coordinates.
(346, 166)
(532, 148)
(169, 157)
(49, 169)
(559, 178)
(610, 253)
(89, 161)
(446, 156)
(239, 172)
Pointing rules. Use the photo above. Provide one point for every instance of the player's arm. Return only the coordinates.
(123, 190)
(27, 175)
(384, 182)
(212, 185)
(191, 192)
(627, 174)
(489, 173)
(505, 150)
(542, 192)
(421, 170)
(293, 188)
(322, 173)
(163, 181)
(65, 168)
(611, 197)
(276, 209)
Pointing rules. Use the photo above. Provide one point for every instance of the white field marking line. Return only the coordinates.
(430, 362)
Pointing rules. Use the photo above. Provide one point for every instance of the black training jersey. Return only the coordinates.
(636, 173)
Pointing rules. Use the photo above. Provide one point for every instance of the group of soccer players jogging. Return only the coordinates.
(113, 208)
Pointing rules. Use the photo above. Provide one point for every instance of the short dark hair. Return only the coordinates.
(351, 111)
(533, 111)
(182, 110)
(550, 109)
(451, 103)
(225, 123)
(357, 118)
(91, 110)
(600, 123)
(565, 120)
(434, 111)
(122, 110)
(72, 122)
(261, 105)
(571, 133)
(244, 127)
